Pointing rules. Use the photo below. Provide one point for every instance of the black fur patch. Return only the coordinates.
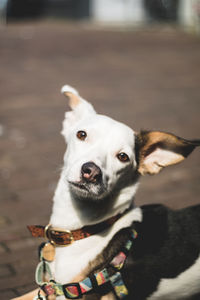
(168, 243)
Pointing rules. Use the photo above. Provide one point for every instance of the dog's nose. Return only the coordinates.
(91, 172)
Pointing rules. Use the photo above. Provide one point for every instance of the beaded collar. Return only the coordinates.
(109, 277)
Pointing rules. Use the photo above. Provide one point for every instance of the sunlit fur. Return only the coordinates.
(74, 207)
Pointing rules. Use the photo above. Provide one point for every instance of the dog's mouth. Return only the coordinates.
(87, 190)
(79, 185)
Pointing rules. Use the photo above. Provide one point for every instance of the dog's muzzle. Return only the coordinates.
(91, 184)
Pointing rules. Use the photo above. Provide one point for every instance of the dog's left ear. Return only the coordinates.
(156, 150)
(80, 109)
(76, 102)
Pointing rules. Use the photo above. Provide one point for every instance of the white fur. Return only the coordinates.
(72, 259)
(181, 287)
(105, 139)
(69, 89)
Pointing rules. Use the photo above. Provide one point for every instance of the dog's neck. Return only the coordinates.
(72, 214)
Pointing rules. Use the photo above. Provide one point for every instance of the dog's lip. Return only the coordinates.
(79, 185)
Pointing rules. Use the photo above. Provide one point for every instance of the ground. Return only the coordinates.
(148, 79)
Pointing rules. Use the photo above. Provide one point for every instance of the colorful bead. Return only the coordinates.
(118, 285)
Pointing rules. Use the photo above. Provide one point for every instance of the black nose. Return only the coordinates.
(91, 172)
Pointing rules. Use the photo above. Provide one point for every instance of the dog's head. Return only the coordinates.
(104, 156)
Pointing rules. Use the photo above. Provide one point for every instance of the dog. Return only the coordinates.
(105, 247)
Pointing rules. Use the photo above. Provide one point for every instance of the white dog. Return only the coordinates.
(99, 179)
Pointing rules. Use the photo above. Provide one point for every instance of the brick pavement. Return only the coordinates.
(148, 79)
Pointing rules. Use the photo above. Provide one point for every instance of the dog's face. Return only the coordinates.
(100, 153)
(104, 155)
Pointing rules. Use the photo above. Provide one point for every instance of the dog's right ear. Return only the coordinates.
(80, 108)
(156, 150)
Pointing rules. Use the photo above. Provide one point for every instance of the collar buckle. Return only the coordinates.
(56, 235)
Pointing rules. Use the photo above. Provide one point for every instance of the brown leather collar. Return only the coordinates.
(62, 237)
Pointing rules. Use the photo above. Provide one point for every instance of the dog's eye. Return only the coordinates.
(123, 157)
(81, 135)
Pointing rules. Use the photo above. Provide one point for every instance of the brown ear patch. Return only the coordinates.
(156, 150)
(74, 100)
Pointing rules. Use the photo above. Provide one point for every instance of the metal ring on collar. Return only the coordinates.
(48, 234)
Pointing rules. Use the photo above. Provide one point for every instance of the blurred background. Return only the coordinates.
(132, 12)
(184, 12)
(136, 61)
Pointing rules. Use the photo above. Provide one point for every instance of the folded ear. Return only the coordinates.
(156, 150)
(76, 102)
(80, 108)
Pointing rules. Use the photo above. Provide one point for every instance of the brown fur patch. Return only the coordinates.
(74, 100)
(102, 261)
(147, 142)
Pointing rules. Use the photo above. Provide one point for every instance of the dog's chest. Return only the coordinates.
(73, 259)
